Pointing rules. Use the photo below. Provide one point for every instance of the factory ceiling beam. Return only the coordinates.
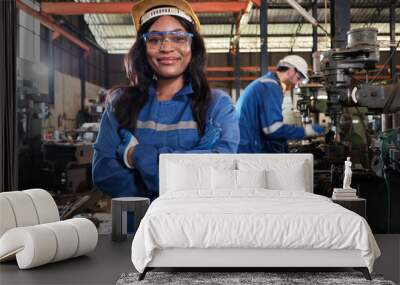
(272, 21)
(257, 3)
(321, 5)
(243, 36)
(50, 23)
(74, 8)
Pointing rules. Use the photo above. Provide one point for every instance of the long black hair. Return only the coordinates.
(140, 75)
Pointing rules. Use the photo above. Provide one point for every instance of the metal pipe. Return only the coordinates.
(51, 74)
(392, 17)
(303, 12)
(264, 36)
(82, 77)
(340, 22)
(74, 8)
(237, 71)
(82, 71)
(315, 28)
(107, 71)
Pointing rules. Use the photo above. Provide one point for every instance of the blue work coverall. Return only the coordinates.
(162, 127)
(259, 111)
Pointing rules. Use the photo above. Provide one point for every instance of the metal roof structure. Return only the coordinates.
(287, 29)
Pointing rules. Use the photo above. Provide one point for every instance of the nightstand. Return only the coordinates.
(357, 205)
(120, 208)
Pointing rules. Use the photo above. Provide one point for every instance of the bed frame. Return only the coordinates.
(242, 259)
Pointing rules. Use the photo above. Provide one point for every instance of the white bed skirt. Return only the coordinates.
(189, 257)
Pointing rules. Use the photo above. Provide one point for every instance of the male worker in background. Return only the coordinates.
(259, 109)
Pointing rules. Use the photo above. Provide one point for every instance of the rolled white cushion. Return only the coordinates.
(46, 208)
(66, 238)
(7, 218)
(40, 244)
(87, 235)
(33, 246)
(23, 208)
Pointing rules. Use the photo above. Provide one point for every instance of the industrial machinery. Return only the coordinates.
(338, 67)
(69, 163)
(365, 124)
(56, 159)
(32, 117)
(336, 70)
(68, 171)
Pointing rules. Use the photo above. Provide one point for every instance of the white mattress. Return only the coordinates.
(252, 218)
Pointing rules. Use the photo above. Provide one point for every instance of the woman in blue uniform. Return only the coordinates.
(168, 107)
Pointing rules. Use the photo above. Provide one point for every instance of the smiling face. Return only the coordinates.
(168, 60)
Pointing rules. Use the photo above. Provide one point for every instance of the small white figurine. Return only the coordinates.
(347, 174)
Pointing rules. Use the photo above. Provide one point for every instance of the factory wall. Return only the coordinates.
(291, 115)
(117, 75)
(68, 101)
(32, 69)
(106, 70)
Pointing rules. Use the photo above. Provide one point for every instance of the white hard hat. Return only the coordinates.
(297, 62)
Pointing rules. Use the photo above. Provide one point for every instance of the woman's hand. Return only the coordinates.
(131, 150)
(126, 148)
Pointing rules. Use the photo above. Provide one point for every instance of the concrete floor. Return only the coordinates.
(389, 262)
(102, 266)
(106, 264)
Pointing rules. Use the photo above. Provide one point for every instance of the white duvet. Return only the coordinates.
(253, 218)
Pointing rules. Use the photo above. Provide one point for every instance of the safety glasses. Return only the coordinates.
(299, 76)
(154, 40)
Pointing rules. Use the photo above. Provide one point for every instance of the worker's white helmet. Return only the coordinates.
(297, 62)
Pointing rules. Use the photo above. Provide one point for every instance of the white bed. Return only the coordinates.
(241, 210)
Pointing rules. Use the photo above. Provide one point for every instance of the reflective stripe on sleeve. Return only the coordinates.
(268, 80)
(164, 127)
(273, 128)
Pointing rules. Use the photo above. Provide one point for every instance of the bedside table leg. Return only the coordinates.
(364, 271)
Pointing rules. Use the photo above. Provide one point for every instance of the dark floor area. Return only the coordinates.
(110, 259)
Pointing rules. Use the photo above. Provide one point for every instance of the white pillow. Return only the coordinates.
(291, 179)
(223, 179)
(282, 173)
(226, 179)
(251, 178)
(188, 177)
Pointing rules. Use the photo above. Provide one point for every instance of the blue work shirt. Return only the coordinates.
(162, 127)
(259, 111)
